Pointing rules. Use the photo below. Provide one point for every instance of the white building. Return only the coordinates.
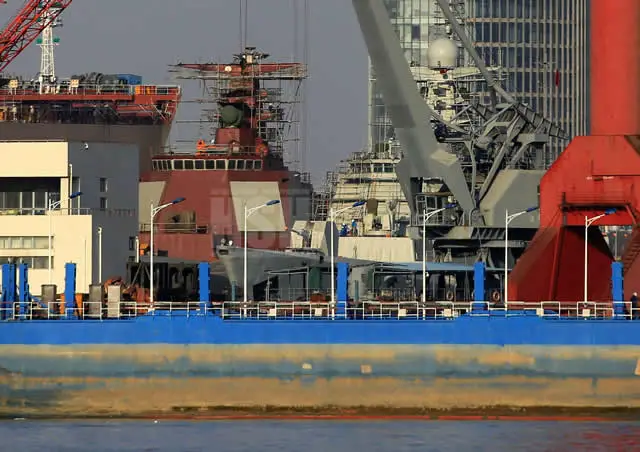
(35, 175)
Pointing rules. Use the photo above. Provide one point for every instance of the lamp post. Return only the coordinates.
(588, 222)
(332, 217)
(425, 217)
(99, 255)
(51, 206)
(154, 211)
(507, 219)
(247, 214)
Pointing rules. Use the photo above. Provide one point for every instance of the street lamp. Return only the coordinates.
(425, 217)
(507, 219)
(99, 255)
(588, 222)
(154, 211)
(332, 217)
(50, 207)
(247, 214)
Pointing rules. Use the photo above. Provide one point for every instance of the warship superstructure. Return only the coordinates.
(483, 159)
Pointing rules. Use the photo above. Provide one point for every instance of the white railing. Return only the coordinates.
(310, 310)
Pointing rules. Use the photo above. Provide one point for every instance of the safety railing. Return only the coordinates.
(183, 228)
(93, 90)
(290, 294)
(315, 310)
(96, 310)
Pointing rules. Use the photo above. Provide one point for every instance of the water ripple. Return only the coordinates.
(319, 436)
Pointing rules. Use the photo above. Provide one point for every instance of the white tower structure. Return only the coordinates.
(47, 42)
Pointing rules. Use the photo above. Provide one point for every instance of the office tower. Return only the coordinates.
(541, 46)
(417, 22)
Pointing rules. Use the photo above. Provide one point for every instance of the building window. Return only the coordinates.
(103, 203)
(36, 263)
(104, 187)
(132, 243)
(24, 242)
(415, 32)
(39, 262)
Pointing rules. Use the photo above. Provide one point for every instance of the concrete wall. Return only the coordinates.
(72, 242)
(34, 159)
(75, 232)
(392, 249)
(116, 162)
(75, 239)
(118, 243)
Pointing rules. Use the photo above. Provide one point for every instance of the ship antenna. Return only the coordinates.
(47, 43)
(243, 25)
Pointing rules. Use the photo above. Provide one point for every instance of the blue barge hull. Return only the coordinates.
(154, 365)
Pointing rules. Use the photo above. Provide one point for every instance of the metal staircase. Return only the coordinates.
(632, 250)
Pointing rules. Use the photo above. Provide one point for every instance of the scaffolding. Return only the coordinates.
(427, 24)
(371, 177)
(277, 93)
(322, 198)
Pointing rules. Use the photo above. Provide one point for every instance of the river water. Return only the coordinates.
(317, 436)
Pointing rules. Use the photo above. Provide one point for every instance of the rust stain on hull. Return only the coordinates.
(135, 380)
(139, 396)
(219, 354)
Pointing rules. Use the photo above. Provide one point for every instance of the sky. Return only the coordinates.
(144, 37)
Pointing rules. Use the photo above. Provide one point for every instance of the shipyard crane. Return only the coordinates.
(489, 168)
(34, 18)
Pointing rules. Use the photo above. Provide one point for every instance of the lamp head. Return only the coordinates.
(272, 202)
(359, 203)
(178, 200)
(451, 205)
(75, 194)
(609, 211)
(532, 209)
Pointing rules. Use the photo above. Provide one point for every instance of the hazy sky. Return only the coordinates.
(144, 37)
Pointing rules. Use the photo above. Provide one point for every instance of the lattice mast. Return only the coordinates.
(282, 89)
(47, 42)
(274, 98)
(33, 19)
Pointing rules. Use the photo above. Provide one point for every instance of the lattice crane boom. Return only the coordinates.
(26, 26)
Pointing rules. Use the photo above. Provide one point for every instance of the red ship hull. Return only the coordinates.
(210, 196)
(242, 170)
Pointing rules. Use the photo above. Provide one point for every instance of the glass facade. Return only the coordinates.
(541, 45)
(415, 23)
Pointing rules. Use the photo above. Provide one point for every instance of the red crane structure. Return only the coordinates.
(593, 176)
(26, 26)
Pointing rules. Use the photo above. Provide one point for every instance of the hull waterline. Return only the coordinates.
(160, 366)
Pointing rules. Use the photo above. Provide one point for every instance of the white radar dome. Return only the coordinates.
(442, 53)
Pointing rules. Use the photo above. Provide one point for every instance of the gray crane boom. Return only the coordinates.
(423, 155)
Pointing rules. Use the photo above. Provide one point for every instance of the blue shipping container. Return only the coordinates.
(130, 79)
